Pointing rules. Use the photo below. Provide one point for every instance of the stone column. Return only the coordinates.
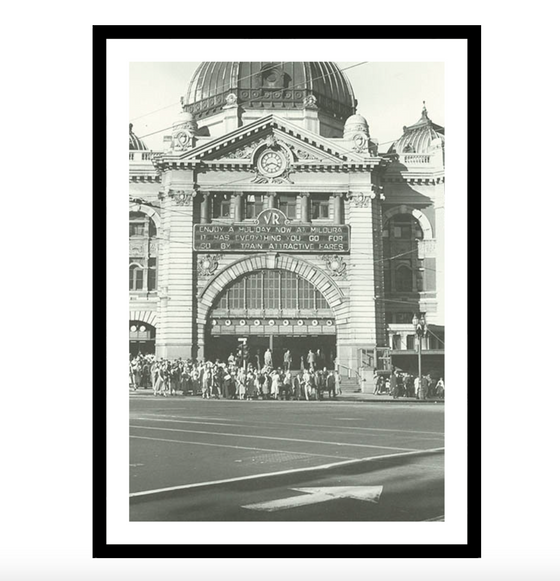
(440, 252)
(205, 208)
(175, 329)
(365, 326)
(337, 198)
(237, 199)
(304, 206)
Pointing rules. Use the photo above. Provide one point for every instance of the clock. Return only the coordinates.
(272, 163)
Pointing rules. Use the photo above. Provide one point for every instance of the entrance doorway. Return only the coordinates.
(142, 338)
(221, 346)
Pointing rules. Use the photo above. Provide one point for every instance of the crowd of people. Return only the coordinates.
(402, 384)
(238, 378)
(233, 379)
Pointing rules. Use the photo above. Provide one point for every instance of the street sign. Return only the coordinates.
(316, 495)
(271, 231)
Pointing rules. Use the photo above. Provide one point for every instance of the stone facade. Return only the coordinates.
(229, 166)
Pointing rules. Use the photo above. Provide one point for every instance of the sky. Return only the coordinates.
(390, 95)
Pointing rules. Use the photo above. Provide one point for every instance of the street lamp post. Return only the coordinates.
(420, 328)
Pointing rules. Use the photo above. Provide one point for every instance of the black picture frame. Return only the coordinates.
(101, 548)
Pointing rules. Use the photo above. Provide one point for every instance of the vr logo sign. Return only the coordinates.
(272, 216)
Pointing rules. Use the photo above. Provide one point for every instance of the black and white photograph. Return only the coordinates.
(277, 364)
(287, 291)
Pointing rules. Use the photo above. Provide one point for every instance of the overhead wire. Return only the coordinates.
(299, 85)
(238, 80)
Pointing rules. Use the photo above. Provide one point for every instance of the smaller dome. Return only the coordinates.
(355, 124)
(353, 119)
(134, 142)
(420, 137)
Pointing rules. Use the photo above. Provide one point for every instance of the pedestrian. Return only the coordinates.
(131, 375)
(275, 384)
(241, 383)
(206, 381)
(217, 380)
(264, 384)
(160, 386)
(153, 373)
(287, 385)
(393, 385)
(268, 358)
(287, 360)
(311, 359)
(423, 392)
(440, 388)
(298, 384)
(417, 387)
(331, 385)
(194, 377)
(338, 388)
(320, 382)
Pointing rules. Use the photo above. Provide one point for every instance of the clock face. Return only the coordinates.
(272, 163)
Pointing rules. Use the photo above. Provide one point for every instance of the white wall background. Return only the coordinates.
(45, 428)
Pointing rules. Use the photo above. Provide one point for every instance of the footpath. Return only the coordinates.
(346, 396)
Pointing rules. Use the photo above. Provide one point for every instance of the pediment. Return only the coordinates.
(244, 144)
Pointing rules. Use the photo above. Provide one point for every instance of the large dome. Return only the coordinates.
(270, 86)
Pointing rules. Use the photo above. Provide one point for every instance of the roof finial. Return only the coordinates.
(424, 110)
(130, 127)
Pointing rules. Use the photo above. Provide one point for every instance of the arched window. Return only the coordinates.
(142, 252)
(271, 291)
(402, 266)
(135, 277)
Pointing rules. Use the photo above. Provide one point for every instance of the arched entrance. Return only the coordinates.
(276, 302)
(142, 338)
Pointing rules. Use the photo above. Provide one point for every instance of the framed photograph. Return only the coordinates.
(298, 296)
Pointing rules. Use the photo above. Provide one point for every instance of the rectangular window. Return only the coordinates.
(410, 342)
(287, 204)
(221, 206)
(319, 206)
(306, 295)
(136, 228)
(254, 205)
(237, 296)
(321, 301)
(419, 281)
(271, 289)
(152, 274)
(222, 302)
(289, 290)
(254, 291)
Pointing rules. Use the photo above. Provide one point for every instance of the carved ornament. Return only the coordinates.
(208, 264)
(182, 197)
(359, 199)
(335, 265)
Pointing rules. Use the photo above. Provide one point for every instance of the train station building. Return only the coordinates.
(269, 218)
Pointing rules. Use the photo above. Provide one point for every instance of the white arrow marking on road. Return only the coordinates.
(315, 495)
